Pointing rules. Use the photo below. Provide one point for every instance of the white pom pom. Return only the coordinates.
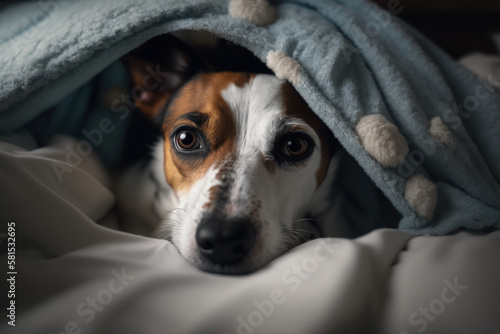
(284, 67)
(382, 140)
(441, 132)
(259, 12)
(421, 194)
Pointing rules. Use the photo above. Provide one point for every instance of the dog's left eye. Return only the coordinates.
(293, 148)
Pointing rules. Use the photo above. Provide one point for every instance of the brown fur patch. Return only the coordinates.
(295, 106)
(212, 197)
(203, 95)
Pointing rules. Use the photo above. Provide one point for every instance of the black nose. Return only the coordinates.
(225, 240)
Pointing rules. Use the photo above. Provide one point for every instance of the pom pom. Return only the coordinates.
(284, 67)
(441, 132)
(382, 140)
(421, 195)
(259, 12)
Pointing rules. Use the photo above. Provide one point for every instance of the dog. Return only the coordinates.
(241, 165)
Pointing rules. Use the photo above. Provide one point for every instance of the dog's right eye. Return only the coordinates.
(187, 140)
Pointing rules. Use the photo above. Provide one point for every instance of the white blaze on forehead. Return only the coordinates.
(258, 109)
(259, 112)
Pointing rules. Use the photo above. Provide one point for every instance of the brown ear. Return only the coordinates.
(158, 68)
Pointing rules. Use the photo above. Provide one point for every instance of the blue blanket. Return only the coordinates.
(423, 129)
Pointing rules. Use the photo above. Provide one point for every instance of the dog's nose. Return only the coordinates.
(225, 241)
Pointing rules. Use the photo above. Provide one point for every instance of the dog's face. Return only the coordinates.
(244, 157)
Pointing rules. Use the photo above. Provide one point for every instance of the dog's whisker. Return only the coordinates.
(298, 234)
(165, 231)
(179, 209)
(286, 245)
(172, 211)
(302, 231)
(304, 220)
(175, 214)
(170, 215)
(172, 220)
(291, 241)
(183, 211)
(162, 235)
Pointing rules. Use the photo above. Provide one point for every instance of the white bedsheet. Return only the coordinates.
(75, 276)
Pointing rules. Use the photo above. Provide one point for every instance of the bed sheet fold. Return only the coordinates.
(77, 274)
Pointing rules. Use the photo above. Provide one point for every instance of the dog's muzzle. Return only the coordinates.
(225, 241)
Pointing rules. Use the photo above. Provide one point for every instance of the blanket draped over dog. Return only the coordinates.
(423, 128)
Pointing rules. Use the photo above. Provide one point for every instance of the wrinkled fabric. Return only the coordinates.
(387, 281)
(355, 58)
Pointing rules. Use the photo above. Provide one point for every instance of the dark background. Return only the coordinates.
(458, 26)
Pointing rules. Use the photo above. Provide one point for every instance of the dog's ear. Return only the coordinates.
(158, 68)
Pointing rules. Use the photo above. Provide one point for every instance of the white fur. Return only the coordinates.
(258, 110)
(382, 140)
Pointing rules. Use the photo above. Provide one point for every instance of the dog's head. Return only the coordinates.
(242, 154)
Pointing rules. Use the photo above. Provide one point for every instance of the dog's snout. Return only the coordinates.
(225, 241)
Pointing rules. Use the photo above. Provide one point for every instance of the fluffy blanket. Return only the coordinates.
(423, 128)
